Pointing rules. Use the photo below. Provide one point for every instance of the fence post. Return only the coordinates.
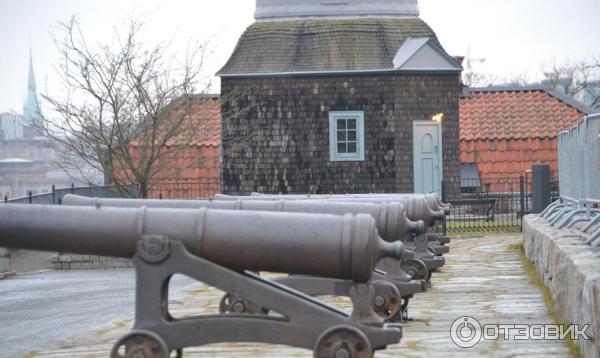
(443, 191)
(522, 198)
(527, 181)
(30, 195)
(444, 228)
(53, 194)
(541, 187)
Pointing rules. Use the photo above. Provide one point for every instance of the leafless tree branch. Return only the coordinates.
(117, 113)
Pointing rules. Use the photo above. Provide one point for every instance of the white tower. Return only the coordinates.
(281, 10)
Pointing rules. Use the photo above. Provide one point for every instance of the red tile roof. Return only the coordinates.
(499, 114)
(509, 158)
(204, 122)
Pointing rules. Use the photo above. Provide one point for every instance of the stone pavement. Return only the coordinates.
(483, 278)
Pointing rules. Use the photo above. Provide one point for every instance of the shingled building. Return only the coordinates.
(339, 96)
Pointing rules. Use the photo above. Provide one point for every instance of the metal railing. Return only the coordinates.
(488, 205)
(581, 215)
(56, 195)
(185, 190)
(161, 190)
(579, 159)
(579, 169)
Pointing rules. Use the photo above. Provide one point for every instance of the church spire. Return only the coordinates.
(32, 111)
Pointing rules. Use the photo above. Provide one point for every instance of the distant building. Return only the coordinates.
(591, 96)
(11, 126)
(506, 130)
(27, 161)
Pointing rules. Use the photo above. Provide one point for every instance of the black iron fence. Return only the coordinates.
(488, 205)
(56, 195)
(162, 190)
(184, 190)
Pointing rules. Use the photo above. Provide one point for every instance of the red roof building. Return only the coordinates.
(504, 131)
(190, 166)
(195, 170)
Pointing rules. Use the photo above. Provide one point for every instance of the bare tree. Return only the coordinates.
(518, 80)
(124, 105)
(577, 79)
(478, 79)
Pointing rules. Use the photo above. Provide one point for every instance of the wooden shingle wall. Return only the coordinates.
(276, 131)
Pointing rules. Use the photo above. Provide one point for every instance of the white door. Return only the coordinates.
(427, 145)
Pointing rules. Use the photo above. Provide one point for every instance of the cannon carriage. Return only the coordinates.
(352, 248)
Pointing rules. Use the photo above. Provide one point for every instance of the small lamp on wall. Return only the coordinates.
(438, 117)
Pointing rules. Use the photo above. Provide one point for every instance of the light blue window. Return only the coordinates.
(346, 136)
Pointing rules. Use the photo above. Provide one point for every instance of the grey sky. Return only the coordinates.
(515, 36)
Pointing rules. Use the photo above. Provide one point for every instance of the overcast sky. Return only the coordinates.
(514, 36)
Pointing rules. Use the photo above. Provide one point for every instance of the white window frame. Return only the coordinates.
(334, 156)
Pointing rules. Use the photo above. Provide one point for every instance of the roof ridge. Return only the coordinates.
(515, 88)
(572, 102)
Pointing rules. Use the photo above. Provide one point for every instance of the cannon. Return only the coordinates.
(417, 206)
(204, 245)
(426, 207)
(428, 247)
(391, 219)
(432, 199)
(407, 275)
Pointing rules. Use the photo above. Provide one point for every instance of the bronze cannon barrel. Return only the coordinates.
(417, 207)
(390, 218)
(345, 247)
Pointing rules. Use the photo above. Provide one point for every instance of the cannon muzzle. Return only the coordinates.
(345, 247)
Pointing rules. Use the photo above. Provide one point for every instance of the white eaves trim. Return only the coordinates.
(418, 54)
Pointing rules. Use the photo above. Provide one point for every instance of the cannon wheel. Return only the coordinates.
(387, 299)
(343, 341)
(234, 305)
(416, 269)
(141, 344)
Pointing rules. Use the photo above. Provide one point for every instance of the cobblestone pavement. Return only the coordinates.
(483, 278)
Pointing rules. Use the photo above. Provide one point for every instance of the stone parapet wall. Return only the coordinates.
(571, 269)
(88, 262)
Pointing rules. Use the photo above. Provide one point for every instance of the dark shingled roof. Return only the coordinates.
(314, 46)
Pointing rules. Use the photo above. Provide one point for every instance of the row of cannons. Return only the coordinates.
(377, 250)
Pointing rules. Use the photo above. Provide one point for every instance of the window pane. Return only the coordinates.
(352, 136)
(342, 148)
(341, 136)
(352, 147)
(352, 123)
(341, 124)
